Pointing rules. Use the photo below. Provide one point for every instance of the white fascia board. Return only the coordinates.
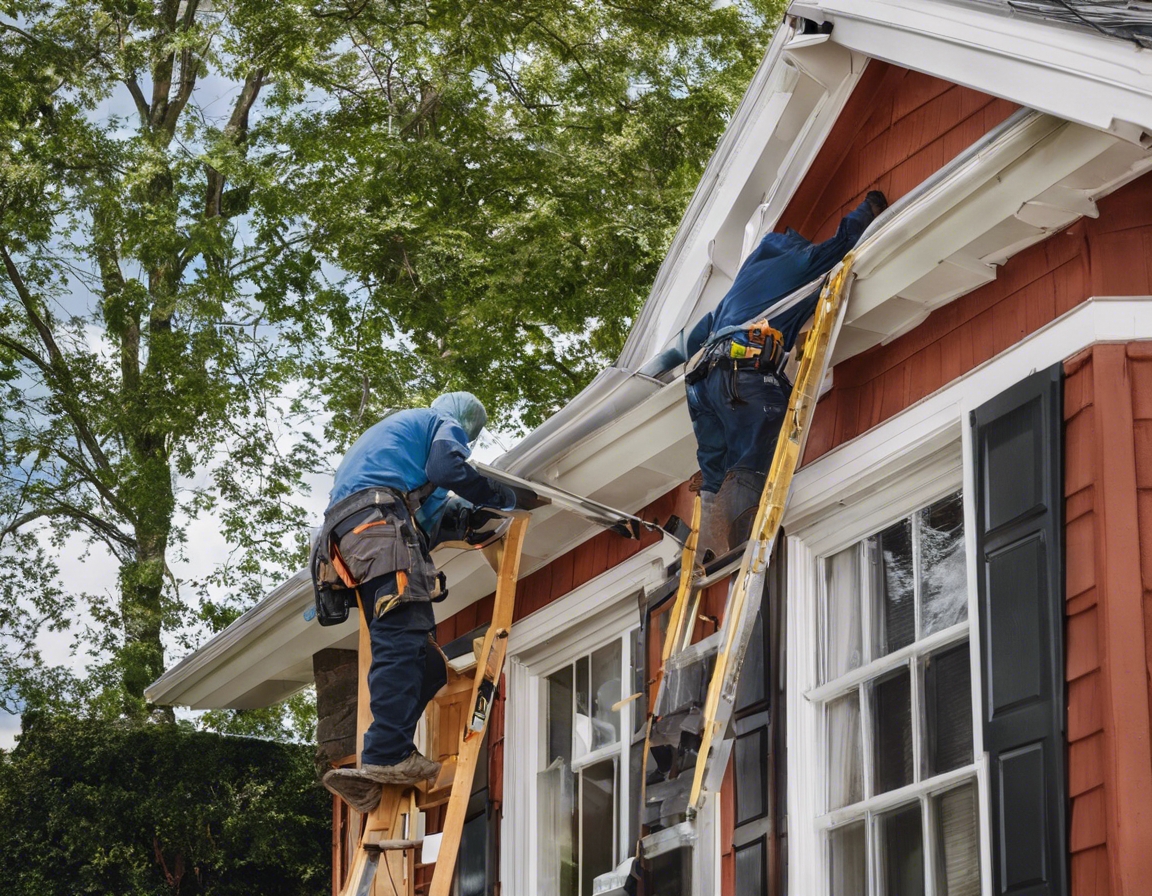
(1100, 82)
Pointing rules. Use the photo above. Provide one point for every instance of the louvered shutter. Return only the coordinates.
(1018, 441)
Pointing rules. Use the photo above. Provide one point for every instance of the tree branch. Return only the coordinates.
(235, 132)
(101, 528)
(58, 365)
(142, 109)
(76, 461)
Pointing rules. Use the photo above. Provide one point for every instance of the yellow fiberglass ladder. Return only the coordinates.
(728, 646)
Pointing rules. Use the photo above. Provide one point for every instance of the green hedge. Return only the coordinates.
(89, 807)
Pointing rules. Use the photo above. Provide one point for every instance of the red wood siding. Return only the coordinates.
(897, 128)
(1108, 585)
(1109, 255)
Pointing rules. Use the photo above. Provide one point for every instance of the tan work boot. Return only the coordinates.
(361, 788)
(354, 787)
(413, 770)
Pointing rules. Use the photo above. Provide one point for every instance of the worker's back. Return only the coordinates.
(391, 454)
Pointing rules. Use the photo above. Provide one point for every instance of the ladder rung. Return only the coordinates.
(394, 845)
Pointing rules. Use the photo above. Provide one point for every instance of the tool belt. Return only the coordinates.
(764, 352)
(366, 535)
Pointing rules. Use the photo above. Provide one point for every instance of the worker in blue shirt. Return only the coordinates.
(387, 510)
(736, 396)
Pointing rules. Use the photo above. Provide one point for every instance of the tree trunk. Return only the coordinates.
(142, 586)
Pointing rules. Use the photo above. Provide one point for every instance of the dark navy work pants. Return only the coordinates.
(407, 671)
(736, 417)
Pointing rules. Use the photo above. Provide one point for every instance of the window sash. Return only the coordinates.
(811, 579)
(879, 667)
(618, 753)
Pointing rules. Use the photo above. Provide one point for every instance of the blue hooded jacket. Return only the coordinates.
(781, 264)
(411, 448)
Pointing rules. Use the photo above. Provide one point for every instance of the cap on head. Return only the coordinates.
(466, 409)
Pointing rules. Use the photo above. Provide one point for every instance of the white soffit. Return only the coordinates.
(1040, 176)
(1102, 82)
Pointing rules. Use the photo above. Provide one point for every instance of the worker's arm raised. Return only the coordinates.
(448, 468)
(823, 256)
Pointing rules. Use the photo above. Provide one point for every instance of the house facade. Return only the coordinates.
(949, 691)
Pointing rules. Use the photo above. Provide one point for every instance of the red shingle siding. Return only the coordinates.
(1108, 587)
(897, 128)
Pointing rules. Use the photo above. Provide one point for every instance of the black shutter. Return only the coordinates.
(1018, 442)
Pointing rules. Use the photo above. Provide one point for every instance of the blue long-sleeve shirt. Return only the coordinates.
(781, 264)
(409, 449)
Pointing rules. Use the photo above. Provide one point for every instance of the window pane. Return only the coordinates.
(948, 705)
(670, 873)
(597, 814)
(842, 639)
(560, 716)
(750, 869)
(583, 721)
(900, 852)
(958, 839)
(894, 587)
(556, 818)
(751, 760)
(892, 732)
(845, 769)
(605, 694)
(943, 565)
(848, 861)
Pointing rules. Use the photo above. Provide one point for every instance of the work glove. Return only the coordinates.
(507, 497)
(877, 201)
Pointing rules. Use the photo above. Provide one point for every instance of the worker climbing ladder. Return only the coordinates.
(385, 860)
(744, 596)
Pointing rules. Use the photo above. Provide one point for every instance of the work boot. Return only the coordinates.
(413, 770)
(354, 787)
(712, 541)
(737, 503)
(361, 787)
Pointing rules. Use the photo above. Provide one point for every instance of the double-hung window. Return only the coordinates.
(899, 800)
(583, 779)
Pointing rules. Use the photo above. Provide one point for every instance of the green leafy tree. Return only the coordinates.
(500, 184)
(222, 222)
(134, 351)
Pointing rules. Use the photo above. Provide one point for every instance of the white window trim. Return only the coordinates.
(908, 478)
(903, 463)
(589, 616)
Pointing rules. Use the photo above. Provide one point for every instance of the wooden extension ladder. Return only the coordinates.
(385, 860)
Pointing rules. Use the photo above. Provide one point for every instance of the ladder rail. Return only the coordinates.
(490, 665)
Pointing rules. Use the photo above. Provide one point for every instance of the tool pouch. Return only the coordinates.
(391, 545)
(332, 596)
